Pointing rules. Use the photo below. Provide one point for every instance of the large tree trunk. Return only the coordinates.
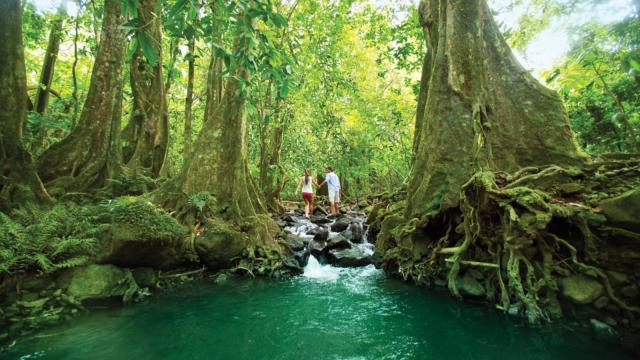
(188, 102)
(79, 161)
(477, 197)
(18, 178)
(48, 68)
(500, 116)
(150, 126)
(271, 173)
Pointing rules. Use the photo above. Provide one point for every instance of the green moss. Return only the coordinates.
(134, 217)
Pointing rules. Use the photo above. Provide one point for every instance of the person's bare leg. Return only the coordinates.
(306, 208)
(337, 205)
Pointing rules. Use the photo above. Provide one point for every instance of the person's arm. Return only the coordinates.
(322, 183)
(298, 188)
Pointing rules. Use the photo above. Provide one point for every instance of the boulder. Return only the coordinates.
(302, 257)
(341, 224)
(468, 285)
(347, 234)
(319, 219)
(96, 283)
(320, 211)
(295, 242)
(292, 264)
(220, 244)
(321, 235)
(622, 211)
(601, 328)
(353, 257)
(316, 248)
(338, 242)
(140, 234)
(145, 277)
(581, 289)
(358, 232)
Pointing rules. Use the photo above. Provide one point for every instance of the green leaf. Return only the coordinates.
(148, 51)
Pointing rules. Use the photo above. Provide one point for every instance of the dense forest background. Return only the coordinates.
(340, 80)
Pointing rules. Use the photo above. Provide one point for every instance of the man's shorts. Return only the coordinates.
(334, 196)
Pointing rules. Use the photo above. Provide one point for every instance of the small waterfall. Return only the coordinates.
(315, 270)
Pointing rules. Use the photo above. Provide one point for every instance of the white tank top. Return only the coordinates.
(307, 187)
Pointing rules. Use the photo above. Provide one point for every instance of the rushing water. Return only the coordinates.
(328, 313)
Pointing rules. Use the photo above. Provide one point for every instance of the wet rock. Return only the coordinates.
(145, 277)
(318, 210)
(353, 257)
(514, 309)
(321, 235)
(221, 278)
(316, 248)
(622, 211)
(340, 224)
(338, 242)
(220, 244)
(358, 232)
(302, 257)
(581, 289)
(292, 264)
(295, 242)
(601, 327)
(94, 283)
(319, 219)
(469, 286)
(347, 234)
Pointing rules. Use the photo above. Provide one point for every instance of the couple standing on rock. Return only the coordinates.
(307, 182)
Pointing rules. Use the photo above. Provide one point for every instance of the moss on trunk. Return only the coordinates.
(79, 161)
(19, 181)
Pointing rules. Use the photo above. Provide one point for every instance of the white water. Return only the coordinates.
(315, 270)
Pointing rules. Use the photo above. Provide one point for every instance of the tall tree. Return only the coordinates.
(80, 161)
(48, 68)
(18, 177)
(501, 117)
(148, 133)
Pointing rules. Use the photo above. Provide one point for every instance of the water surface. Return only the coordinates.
(329, 313)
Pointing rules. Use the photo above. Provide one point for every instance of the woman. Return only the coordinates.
(306, 182)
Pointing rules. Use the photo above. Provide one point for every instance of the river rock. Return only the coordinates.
(321, 235)
(581, 289)
(145, 277)
(353, 257)
(295, 242)
(302, 257)
(622, 211)
(316, 248)
(293, 265)
(347, 234)
(320, 211)
(341, 224)
(357, 231)
(319, 219)
(469, 286)
(601, 328)
(220, 244)
(338, 242)
(94, 283)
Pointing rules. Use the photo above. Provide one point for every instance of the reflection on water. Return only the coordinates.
(328, 313)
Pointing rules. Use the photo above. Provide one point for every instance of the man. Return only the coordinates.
(333, 184)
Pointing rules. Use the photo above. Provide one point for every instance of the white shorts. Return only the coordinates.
(334, 196)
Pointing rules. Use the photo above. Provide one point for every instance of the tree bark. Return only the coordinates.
(79, 161)
(478, 94)
(151, 126)
(189, 99)
(19, 181)
(48, 68)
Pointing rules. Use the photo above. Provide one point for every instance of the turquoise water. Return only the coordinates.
(328, 314)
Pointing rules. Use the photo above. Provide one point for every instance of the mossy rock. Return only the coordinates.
(220, 244)
(581, 289)
(97, 283)
(140, 234)
(624, 210)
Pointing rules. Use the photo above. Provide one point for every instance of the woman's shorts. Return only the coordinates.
(307, 196)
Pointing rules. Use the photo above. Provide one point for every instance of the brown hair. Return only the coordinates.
(307, 176)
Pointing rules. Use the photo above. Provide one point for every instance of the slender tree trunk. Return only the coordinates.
(19, 181)
(149, 95)
(79, 161)
(74, 67)
(189, 99)
(422, 101)
(48, 67)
